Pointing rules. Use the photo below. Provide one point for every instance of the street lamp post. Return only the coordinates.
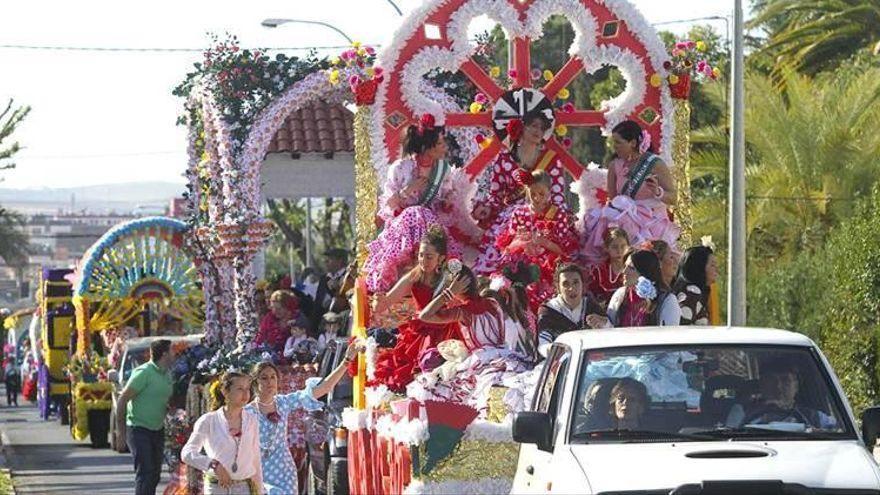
(274, 23)
(736, 261)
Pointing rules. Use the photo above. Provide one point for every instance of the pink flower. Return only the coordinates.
(378, 71)
(690, 44)
(681, 45)
(354, 80)
(481, 98)
(568, 107)
(479, 138)
(536, 74)
(566, 142)
(701, 66)
(370, 50)
(512, 73)
(676, 52)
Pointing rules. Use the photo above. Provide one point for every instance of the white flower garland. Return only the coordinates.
(483, 486)
(371, 355)
(585, 44)
(354, 419)
(376, 396)
(594, 178)
(585, 26)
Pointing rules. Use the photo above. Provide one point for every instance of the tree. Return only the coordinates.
(811, 150)
(815, 35)
(13, 241)
(8, 123)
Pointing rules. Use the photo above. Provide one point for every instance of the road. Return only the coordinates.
(45, 459)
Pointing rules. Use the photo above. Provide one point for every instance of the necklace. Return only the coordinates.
(266, 404)
(237, 440)
(611, 277)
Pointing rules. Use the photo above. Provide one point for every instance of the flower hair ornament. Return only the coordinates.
(453, 266)
(523, 177)
(498, 283)
(645, 143)
(427, 122)
(706, 241)
(646, 289)
(514, 129)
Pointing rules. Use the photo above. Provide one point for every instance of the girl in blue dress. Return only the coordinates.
(272, 409)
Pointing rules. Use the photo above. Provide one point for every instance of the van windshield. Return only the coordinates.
(706, 393)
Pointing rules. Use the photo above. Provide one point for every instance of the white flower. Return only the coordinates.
(454, 266)
(706, 241)
(646, 289)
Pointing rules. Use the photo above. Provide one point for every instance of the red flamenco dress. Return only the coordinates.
(554, 224)
(397, 366)
(604, 282)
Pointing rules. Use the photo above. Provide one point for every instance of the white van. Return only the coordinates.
(692, 411)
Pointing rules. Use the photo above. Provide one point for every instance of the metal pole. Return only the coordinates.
(309, 232)
(290, 262)
(736, 288)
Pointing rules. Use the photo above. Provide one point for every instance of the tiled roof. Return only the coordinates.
(316, 128)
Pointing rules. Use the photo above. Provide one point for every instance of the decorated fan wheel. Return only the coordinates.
(609, 33)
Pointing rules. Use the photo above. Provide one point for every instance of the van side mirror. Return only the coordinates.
(871, 426)
(533, 427)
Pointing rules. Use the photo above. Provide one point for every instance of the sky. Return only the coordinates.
(103, 117)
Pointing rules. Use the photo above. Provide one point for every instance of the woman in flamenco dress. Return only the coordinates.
(640, 190)
(421, 191)
(397, 366)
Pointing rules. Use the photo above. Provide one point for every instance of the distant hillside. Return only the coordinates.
(102, 198)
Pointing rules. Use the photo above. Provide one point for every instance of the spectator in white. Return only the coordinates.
(567, 311)
(645, 300)
(309, 282)
(144, 401)
(230, 437)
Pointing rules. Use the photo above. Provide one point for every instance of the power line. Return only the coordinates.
(106, 155)
(162, 50)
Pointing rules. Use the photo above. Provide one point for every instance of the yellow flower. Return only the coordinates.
(335, 61)
(370, 72)
(334, 76)
(673, 79)
(356, 44)
(361, 52)
(701, 46)
(656, 80)
(548, 75)
(486, 143)
(476, 107)
(495, 71)
(561, 130)
(716, 71)
(563, 94)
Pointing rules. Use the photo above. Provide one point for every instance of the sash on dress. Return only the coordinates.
(639, 174)
(438, 173)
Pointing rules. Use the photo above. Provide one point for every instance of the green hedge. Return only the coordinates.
(833, 296)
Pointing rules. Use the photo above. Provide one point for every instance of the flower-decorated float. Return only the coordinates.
(135, 279)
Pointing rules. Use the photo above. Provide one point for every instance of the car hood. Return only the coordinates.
(814, 464)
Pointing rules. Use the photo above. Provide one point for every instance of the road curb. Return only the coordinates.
(4, 468)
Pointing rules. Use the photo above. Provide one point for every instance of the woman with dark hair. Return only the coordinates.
(669, 259)
(504, 193)
(696, 274)
(395, 368)
(640, 190)
(419, 192)
(537, 233)
(644, 299)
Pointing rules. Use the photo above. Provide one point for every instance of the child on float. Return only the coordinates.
(396, 367)
(607, 276)
(668, 257)
(509, 291)
(537, 233)
(525, 139)
(300, 347)
(640, 191)
(419, 193)
(697, 273)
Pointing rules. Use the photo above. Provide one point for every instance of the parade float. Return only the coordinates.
(55, 317)
(137, 273)
(237, 100)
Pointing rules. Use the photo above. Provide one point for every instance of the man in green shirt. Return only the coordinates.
(145, 402)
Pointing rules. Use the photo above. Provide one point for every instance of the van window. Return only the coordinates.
(703, 393)
(552, 381)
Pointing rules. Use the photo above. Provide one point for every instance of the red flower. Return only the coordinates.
(514, 129)
(273, 417)
(365, 92)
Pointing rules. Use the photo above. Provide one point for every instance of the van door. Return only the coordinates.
(534, 472)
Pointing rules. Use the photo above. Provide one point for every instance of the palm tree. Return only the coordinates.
(8, 123)
(814, 35)
(13, 241)
(811, 152)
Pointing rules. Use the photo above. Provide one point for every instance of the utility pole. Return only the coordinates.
(736, 263)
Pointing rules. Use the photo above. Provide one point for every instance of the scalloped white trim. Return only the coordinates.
(354, 419)
(632, 68)
(585, 25)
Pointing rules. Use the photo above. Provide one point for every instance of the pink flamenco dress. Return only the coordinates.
(437, 205)
(504, 195)
(557, 226)
(396, 367)
(633, 209)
